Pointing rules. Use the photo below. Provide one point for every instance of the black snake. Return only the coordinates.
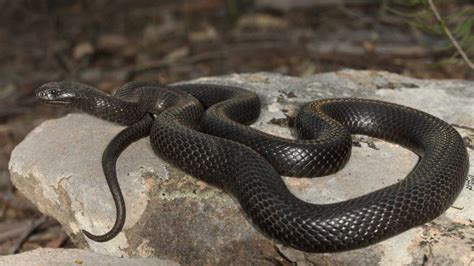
(201, 128)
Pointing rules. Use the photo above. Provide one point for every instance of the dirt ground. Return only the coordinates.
(107, 43)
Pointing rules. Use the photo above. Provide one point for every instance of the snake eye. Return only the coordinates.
(53, 95)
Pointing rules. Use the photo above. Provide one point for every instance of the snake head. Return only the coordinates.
(57, 93)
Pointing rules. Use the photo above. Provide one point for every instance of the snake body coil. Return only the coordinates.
(200, 129)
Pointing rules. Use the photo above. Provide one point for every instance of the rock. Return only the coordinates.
(262, 21)
(174, 216)
(112, 43)
(204, 33)
(49, 256)
(83, 49)
(177, 54)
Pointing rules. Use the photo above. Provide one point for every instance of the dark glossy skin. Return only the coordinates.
(248, 163)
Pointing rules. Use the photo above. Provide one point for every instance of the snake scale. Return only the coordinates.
(202, 129)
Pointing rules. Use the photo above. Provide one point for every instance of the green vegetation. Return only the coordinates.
(456, 21)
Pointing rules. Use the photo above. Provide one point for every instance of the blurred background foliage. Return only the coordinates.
(109, 42)
(459, 19)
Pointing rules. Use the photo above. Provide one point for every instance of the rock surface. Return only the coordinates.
(173, 216)
(49, 256)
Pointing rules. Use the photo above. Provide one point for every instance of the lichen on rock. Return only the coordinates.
(173, 216)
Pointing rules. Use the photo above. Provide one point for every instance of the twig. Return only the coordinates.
(320, 50)
(210, 55)
(12, 230)
(155, 65)
(33, 226)
(450, 36)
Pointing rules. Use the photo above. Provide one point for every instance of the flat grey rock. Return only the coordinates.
(57, 256)
(173, 216)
